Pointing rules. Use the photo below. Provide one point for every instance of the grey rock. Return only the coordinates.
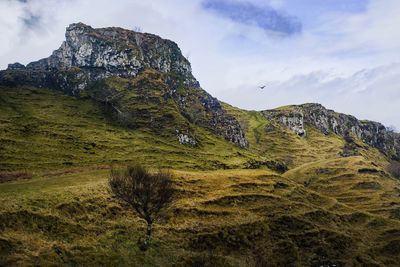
(92, 54)
(328, 121)
(186, 138)
(294, 120)
(16, 66)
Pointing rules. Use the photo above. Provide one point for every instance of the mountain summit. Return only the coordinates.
(107, 52)
(118, 68)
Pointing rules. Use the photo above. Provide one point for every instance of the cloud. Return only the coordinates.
(31, 21)
(28, 15)
(265, 17)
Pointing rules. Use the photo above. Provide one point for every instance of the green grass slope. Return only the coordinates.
(275, 142)
(41, 129)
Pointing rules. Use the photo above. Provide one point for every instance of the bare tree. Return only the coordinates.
(147, 193)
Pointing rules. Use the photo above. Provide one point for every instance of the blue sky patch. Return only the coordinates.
(264, 17)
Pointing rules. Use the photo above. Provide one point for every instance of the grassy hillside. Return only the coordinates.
(42, 129)
(325, 210)
(348, 215)
(276, 142)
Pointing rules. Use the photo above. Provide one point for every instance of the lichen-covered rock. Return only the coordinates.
(329, 121)
(186, 138)
(89, 56)
(294, 120)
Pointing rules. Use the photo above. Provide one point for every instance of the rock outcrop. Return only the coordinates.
(89, 55)
(328, 121)
(292, 119)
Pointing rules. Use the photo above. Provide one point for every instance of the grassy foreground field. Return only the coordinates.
(344, 216)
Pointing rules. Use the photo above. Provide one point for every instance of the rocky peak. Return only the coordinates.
(114, 51)
(16, 66)
(90, 56)
(328, 121)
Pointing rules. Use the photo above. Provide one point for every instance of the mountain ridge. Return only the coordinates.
(103, 64)
(347, 126)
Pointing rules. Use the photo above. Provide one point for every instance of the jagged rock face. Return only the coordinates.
(195, 103)
(328, 121)
(294, 120)
(89, 55)
(115, 51)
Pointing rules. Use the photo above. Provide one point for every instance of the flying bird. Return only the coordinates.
(262, 87)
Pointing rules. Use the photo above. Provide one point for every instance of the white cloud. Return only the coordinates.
(344, 60)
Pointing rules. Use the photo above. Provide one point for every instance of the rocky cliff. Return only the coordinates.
(110, 65)
(90, 54)
(327, 121)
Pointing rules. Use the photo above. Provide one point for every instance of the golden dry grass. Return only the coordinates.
(73, 219)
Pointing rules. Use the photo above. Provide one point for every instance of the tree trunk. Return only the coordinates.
(146, 242)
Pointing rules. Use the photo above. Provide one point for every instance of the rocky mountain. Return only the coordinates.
(142, 80)
(297, 118)
(116, 67)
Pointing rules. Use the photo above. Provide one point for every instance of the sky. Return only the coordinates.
(343, 54)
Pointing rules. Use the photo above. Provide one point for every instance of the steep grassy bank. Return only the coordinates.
(40, 129)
